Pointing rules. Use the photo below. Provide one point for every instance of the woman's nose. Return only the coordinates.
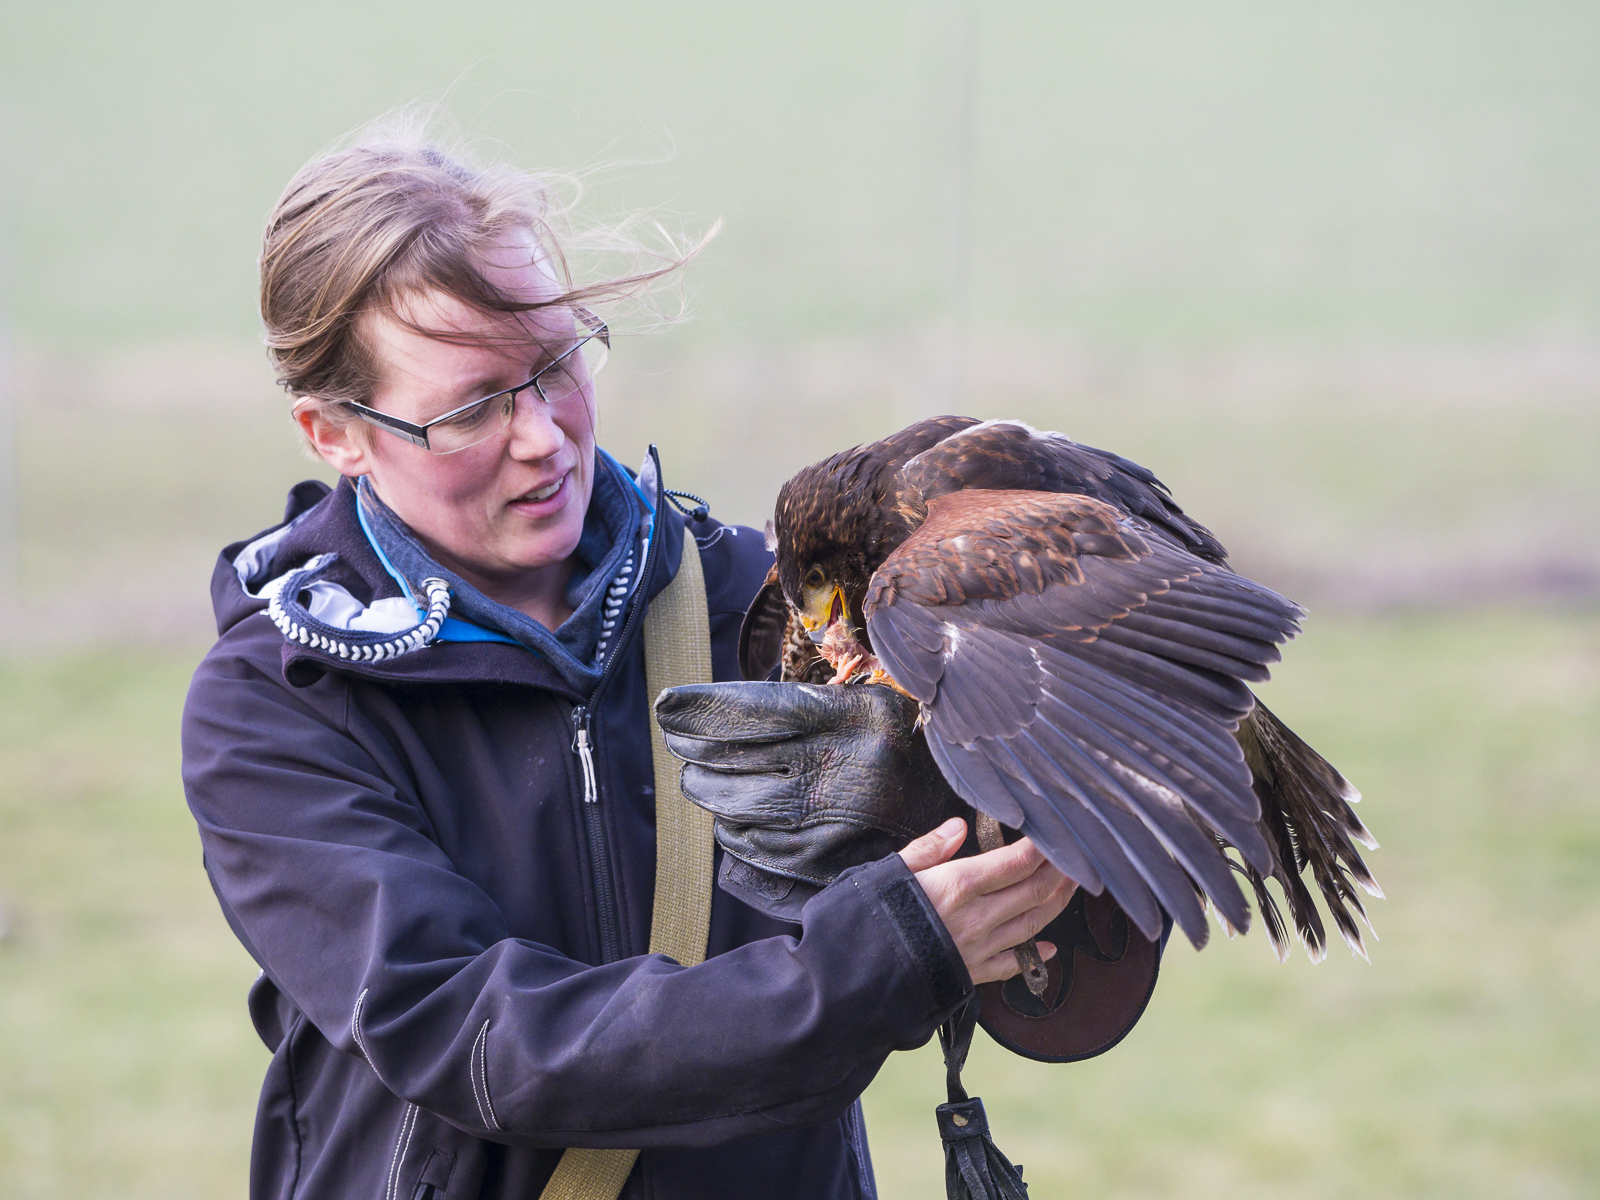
(534, 432)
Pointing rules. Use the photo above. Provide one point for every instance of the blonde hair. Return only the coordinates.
(391, 215)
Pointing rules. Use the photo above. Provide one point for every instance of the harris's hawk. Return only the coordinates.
(1081, 655)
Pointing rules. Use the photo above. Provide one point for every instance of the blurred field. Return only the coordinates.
(1145, 173)
(128, 1066)
(1333, 272)
(1350, 485)
(1463, 1062)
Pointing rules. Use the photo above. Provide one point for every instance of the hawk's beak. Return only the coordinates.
(823, 607)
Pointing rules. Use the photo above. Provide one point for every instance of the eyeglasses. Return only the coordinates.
(562, 377)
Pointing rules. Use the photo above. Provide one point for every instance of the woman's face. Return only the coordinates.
(507, 513)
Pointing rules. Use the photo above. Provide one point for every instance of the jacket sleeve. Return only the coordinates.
(323, 867)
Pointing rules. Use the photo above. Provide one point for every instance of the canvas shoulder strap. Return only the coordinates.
(677, 650)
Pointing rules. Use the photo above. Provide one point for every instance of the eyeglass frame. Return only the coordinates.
(417, 435)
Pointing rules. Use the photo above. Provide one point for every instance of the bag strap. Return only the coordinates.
(677, 650)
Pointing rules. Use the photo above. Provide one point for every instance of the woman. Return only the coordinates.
(450, 906)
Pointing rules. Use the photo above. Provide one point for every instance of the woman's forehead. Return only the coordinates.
(447, 317)
(505, 259)
(462, 349)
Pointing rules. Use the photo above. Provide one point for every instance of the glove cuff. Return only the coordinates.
(778, 896)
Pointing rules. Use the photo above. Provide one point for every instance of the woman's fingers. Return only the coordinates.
(1001, 868)
(935, 847)
(990, 902)
(1003, 965)
(1043, 886)
(1020, 928)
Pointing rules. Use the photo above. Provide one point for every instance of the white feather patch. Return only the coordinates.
(952, 638)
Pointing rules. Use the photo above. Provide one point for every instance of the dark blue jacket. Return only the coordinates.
(455, 981)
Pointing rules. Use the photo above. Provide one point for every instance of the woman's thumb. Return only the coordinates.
(937, 846)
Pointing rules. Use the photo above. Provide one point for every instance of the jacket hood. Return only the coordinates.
(324, 582)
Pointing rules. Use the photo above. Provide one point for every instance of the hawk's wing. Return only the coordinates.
(771, 639)
(1008, 455)
(1082, 679)
(764, 630)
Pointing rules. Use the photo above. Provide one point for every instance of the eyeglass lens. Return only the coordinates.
(557, 382)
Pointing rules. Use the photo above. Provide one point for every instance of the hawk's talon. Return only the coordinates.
(848, 668)
(879, 675)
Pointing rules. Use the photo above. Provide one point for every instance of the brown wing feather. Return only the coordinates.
(771, 638)
(1008, 455)
(764, 630)
(1054, 700)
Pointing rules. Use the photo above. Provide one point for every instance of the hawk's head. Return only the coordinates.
(837, 520)
(829, 540)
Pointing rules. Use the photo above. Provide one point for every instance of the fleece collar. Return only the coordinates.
(320, 567)
(615, 528)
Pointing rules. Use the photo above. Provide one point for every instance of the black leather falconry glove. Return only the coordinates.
(805, 781)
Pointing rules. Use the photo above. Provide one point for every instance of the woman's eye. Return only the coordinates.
(558, 381)
(470, 419)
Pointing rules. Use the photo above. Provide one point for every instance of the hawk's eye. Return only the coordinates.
(815, 578)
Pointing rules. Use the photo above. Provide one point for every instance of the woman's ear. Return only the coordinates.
(343, 446)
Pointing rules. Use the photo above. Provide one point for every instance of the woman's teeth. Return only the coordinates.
(547, 492)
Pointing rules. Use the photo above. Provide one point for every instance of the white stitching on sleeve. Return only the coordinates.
(478, 1069)
(402, 1144)
(717, 536)
(355, 1028)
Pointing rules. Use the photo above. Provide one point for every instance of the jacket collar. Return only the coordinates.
(351, 586)
(616, 527)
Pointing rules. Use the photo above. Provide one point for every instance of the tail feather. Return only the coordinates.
(1307, 819)
(1271, 915)
(1359, 832)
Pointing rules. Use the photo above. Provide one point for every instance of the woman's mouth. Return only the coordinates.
(545, 494)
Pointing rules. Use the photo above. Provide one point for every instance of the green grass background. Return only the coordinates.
(1332, 271)
(1142, 173)
(1462, 1062)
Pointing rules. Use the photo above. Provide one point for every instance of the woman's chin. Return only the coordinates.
(544, 547)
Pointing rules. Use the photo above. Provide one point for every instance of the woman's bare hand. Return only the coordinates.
(989, 902)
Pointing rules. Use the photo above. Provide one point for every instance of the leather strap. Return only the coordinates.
(677, 650)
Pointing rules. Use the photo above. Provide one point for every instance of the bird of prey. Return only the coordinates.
(1081, 654)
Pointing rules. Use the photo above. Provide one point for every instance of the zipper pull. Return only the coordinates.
(584, 749)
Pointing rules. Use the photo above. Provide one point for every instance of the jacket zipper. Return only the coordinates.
(595, 832)
(584, 746)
